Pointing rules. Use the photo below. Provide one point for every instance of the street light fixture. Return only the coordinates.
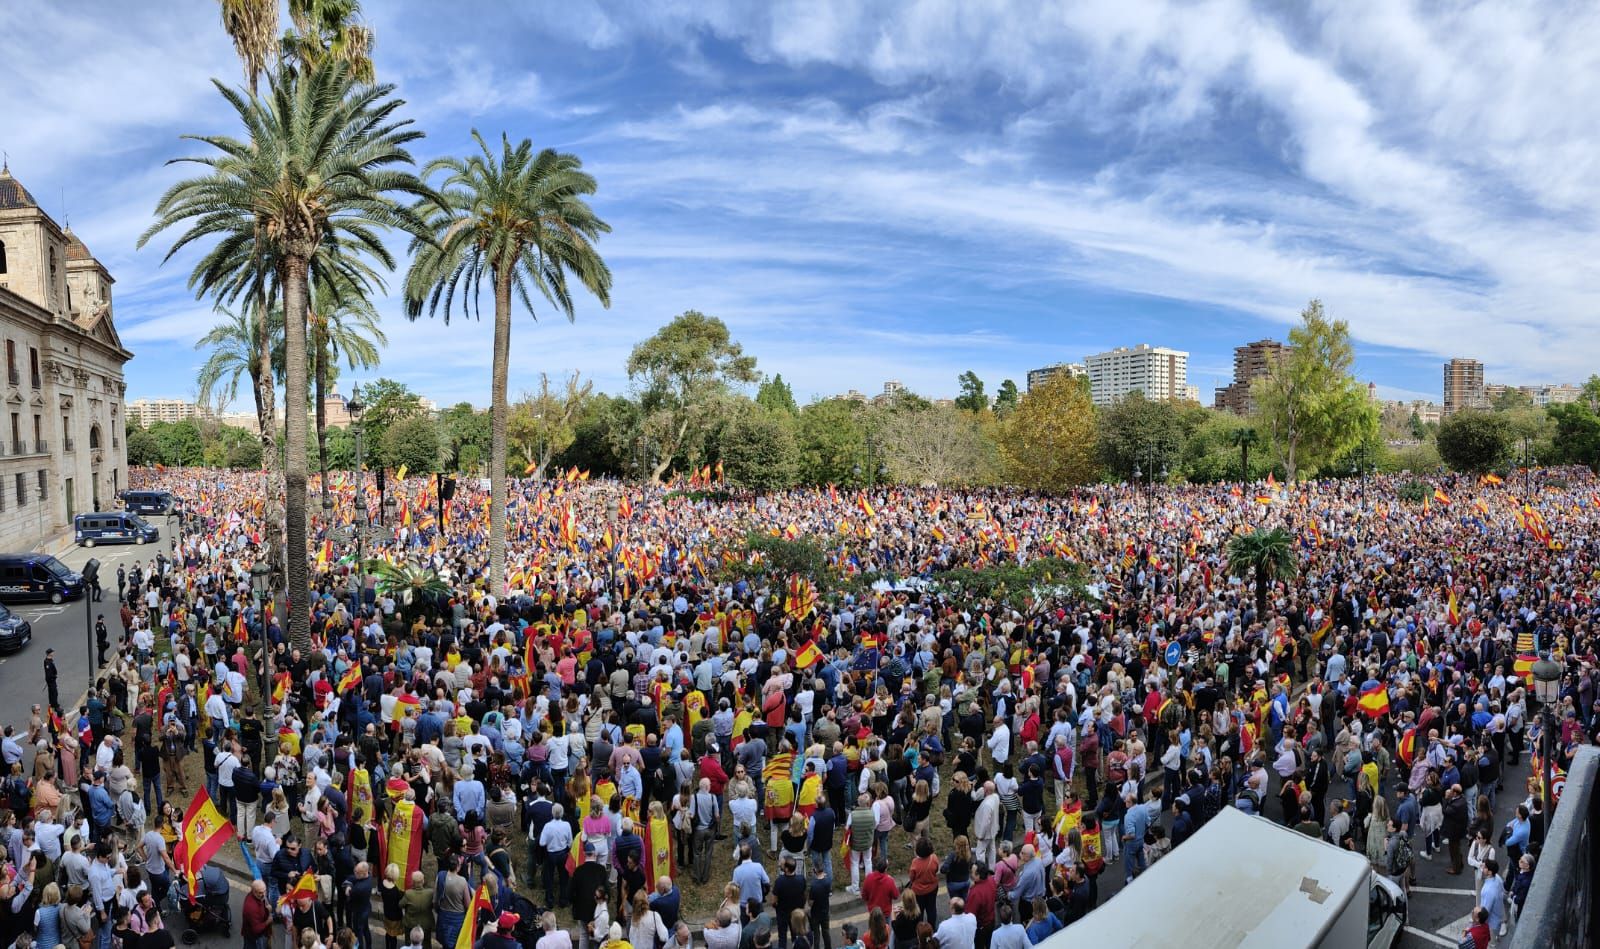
(1547, 688)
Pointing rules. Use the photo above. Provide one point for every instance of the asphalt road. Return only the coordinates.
(60, 626)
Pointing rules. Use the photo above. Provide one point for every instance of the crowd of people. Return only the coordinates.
(645, 737)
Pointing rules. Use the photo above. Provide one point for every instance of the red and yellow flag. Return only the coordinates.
(403, 842)
(1453, 610)
(1374, 701)
(866, 506)
(808, 655)
(304, 888)
(351, 679)
(469, 926)
(657, 849)
(203, 832)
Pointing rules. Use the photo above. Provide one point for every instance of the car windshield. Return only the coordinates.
(58, 568)
(138, 521)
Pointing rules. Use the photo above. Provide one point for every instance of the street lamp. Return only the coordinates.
(1547, 687)
(1529, 459)
(261, 588)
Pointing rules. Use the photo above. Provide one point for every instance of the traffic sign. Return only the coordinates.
(1174, 653)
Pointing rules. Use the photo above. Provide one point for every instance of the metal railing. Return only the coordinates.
(42, 447)
(19, 448)
(1561, 909)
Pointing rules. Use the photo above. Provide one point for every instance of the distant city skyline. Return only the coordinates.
(865, 194)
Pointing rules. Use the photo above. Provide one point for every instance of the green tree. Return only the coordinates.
(682, 372)
(1308, 402)
(1508, 399)
(1140, 433)
(388, 402)
(324, 158)
(1267, 555)
(776, 396)
(520, 222)
(465, 433)
(178, 443)
(543, 422)
(414, 443)
(1049, 442)
(832, 439)
(1576, 438)
(1474, 441)
(1005, 398)
(343, 323)
(329, 31)
(971, 398)
(602, 442)
(757, 448)
(253, 27)
(1244, 439)
(143, 449)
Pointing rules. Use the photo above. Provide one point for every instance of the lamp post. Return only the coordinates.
(1529, 459)
(261, 589)
(1547, 687)
(1149, 455)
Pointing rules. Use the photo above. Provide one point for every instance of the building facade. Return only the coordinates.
(1038, 377)
(61, 447)
(1156, 371)
(1250, 361)
(147, 412)
(1463, 386)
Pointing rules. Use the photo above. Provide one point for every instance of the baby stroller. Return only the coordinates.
(207, 911)
(528, 931)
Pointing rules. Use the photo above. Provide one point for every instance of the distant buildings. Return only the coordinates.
(1463, 386)
(1038, 377)
(1157, 372)
(1540, 396)
(147, 412)
(1249, 362)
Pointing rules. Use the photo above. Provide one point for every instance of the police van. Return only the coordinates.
(149, 502)
(113, 527)
(37, 577)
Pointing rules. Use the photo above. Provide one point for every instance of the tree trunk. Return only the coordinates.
(267, 418)
(1261, 593)
(1244, 461)
(498, 410)
(297, 568)
(322, 413)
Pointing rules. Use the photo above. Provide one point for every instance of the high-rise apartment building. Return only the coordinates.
(1463, 386)
(1156, 371)
(1249, 361)
(1038, 377)
(147, 412)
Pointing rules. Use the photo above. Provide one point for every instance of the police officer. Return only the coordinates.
(50, 679)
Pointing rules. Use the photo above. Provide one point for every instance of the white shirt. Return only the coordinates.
(1000, 744)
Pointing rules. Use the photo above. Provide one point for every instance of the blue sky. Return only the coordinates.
(866, 191)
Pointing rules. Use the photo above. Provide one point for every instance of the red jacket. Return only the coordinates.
(257, 918)
(711, 769)
(981, 900)
(879, 891)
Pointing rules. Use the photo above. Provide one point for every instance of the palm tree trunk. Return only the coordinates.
(297, 568)
(1244, 461)
(498, 410)
(1261, 592)
(322, 414)
(267, 418)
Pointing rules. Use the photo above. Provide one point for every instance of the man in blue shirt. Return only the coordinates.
(750, 877)
(102, 810)
(1134, 826)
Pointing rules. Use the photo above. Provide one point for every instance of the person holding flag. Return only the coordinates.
(202, 833)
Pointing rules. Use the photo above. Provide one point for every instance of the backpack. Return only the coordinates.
(1400, 862)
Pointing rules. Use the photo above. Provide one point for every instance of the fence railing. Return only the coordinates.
(1561, 909)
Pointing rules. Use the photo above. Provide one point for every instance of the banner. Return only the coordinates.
(203, 832)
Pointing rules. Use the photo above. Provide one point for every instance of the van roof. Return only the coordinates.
(1239, 881)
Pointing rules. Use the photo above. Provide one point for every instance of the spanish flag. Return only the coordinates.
(469, 926)
(1374, 701)
(1407, 747)
(351, 679)
(280, 687)
(1453, 610)
(1491, 479)
(358, 789)
(531, 468)
(657, 849)
(1441, 497)
(1323, 630)
(304, 888)
(240, 634)
(403, 842)
(1523, 665)
(808, 655)
(865, 506)
(203, 832)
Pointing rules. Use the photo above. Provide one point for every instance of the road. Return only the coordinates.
(60, 626)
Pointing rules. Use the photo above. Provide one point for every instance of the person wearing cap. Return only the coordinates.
(502, 935)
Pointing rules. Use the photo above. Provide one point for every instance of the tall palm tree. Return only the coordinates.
(343, 322)
(329, 31)
(521, 223)
(231, 345)
(253, 27)
(1266, 554)
(323, 161)
(1244, 439)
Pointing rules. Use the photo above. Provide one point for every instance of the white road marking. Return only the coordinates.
(1455, 929)
(1430, 937)
(1443, 890)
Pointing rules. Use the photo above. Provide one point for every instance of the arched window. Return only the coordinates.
(2, 256)
(94, 437)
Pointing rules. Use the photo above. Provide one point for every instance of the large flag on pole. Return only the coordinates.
(203, 832)
(469, 927)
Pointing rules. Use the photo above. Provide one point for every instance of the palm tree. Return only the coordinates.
(329, 31)
(1244, 439)
(232, 357)
(519, 222)
(410, 585)
(342, 322)
(322, 163)
(253, 27)
(1268, 554)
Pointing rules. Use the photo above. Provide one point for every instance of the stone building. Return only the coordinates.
(62, 450)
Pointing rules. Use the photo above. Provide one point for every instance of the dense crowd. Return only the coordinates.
(646, 738)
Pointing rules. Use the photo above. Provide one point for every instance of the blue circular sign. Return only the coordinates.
(1174, 653)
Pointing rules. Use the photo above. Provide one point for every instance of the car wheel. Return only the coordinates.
(55, 597)
(89, 542)
(138, 540)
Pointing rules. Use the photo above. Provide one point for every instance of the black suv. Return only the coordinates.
(15, 632)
